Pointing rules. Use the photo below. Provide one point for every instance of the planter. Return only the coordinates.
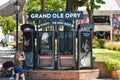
(115, 74)
(118, 39)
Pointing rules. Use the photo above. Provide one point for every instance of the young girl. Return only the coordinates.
(18, 58)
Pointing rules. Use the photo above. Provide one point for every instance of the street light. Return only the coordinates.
(17, 10)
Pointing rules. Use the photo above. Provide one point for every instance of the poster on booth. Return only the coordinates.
(27, 41)
(45, 41)
(86, 52)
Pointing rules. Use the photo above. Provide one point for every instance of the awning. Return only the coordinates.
(102, 28)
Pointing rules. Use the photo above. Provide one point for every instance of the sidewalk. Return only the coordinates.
(4, 58)
(4, 78)
(10, 58)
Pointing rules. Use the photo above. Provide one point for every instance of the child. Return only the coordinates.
(18, 58)
(12, 76)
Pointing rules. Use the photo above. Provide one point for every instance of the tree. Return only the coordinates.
(72, 5)
(91, 5)
(55, 5)
(45, 5)
(2, 21)
(8, 26)
(33, 6)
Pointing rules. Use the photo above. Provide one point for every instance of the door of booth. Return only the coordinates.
(85, 50)
(66, 50)
(46, 49)
(65, 57)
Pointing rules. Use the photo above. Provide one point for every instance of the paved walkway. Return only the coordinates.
(10, 58)
(4, 58)
(4, 78)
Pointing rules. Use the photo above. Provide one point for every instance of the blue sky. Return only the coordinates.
(3, 1)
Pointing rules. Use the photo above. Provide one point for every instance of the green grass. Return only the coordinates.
(104, 54)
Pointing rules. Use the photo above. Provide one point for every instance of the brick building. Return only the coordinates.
(7, 9)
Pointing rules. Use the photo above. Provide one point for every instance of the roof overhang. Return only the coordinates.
(102, 28)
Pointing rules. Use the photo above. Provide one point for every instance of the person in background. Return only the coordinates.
(4, 42)
(18, 70)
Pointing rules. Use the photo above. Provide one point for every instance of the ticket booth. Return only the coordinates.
(64, 55)
(85, 46)
(46, 49)
(28, 44)
(66, 50)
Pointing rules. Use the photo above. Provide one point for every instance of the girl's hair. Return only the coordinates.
(16, 56)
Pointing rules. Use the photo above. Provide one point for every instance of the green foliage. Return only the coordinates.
(50, 5)
(95, 44)
(9, 25)
(33, 5)
(117, 36)
(102, 42)
(104, 54)
(95, 4)
(3, 70)
(112, 64)
(91, 6)
(21, 39)
(55, 5)
(2, 21)
(112, 45)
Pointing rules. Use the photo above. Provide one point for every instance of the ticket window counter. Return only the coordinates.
(46, 49)
(84, 50)
(66, 51)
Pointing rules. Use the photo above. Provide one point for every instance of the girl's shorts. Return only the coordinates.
(18, 69)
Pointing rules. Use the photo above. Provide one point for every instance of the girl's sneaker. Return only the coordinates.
(12, 77)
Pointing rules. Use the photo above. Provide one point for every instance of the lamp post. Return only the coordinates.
(17, 10)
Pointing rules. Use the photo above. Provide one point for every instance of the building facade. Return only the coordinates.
(106, 19)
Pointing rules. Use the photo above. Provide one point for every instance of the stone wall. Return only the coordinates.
(98, 71)
(102, 70)
(62, 74)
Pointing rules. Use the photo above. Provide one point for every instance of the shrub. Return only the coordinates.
(117, 46)
(112, 45)
(106, 45)
(95, 44)
(112, 64)
(101, 42)
(117, 37)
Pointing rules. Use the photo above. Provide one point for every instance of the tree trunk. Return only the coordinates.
(70, 6)
(43, 10)
(42, 5)
(90, 15)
